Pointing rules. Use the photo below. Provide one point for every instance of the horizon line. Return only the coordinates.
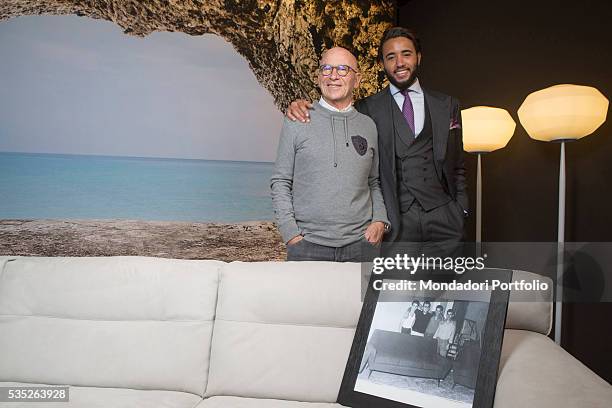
(136, 157)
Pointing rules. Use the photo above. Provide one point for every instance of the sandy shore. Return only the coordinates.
(247, 241)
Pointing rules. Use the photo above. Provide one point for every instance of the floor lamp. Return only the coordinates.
(560, 114)
(485, 129)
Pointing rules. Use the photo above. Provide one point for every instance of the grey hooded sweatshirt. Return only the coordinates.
(325, 184)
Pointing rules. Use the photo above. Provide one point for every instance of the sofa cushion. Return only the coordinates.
(535, 372)
(284, 330)
(239, 402)
(130, 322)
(90, 397)
(403, 354)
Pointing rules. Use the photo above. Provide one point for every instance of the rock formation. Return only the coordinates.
(282, 40)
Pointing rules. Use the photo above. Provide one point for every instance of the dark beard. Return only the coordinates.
(407, 83)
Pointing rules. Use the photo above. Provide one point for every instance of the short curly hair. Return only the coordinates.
(395, 32)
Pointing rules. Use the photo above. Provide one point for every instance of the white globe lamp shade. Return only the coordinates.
(563, 112)
(486, 129)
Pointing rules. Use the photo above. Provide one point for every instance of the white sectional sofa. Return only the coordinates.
(149, 332)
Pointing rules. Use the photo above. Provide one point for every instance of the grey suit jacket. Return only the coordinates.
(447, 146)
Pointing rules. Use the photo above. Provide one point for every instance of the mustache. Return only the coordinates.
(411, 69)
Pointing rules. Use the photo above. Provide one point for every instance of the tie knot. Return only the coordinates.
(405, 92)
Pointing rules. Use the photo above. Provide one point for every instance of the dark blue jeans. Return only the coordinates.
(360, 251)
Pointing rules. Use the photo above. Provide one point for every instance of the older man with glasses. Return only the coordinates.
(325, 187)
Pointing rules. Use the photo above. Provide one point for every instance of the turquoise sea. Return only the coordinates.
(57, 186)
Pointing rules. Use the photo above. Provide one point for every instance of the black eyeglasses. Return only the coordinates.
(342, 70)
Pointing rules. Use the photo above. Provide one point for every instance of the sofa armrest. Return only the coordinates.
(535, 372)
(531, 310)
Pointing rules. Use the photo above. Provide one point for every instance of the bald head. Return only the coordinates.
(339, 53)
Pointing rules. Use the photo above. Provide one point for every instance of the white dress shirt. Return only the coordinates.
(326, 105)
(418, 103)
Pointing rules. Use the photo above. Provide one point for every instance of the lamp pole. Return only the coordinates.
(560, 246)
(479, 201)
(479, 206)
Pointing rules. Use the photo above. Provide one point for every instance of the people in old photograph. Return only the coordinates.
(445, 332)
(409, 317)
(434, 322)
(430, 359)
(421, 319)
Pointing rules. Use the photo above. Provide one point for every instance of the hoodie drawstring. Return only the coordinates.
(334, 137)
(346, 131)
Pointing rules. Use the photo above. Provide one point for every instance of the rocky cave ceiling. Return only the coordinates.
(282, 40)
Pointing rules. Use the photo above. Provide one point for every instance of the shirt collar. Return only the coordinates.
(327, 106)
(415, 87)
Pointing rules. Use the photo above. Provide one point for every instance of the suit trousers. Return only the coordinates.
(360, 251)
(437, 232)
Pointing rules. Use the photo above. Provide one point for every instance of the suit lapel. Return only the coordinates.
(439, 110)
(387, 117)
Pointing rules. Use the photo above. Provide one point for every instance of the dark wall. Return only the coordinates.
(496, 53)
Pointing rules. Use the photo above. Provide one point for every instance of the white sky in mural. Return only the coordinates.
(80, 86)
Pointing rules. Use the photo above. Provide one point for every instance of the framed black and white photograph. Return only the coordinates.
(428, 342)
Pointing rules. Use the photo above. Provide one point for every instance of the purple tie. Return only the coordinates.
(408, 110)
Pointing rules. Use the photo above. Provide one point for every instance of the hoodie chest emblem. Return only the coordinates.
(360, 144)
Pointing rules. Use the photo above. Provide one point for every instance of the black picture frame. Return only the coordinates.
(490, 341)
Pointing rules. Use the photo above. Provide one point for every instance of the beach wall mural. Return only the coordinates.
(135, 128)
